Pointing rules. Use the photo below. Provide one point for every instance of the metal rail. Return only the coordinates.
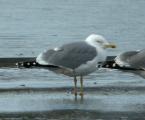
(12, 62)
(29, 62)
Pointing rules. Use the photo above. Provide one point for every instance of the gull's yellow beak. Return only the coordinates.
(110, 45)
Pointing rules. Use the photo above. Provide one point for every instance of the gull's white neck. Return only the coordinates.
(90, 42)
(101, 51)
(94, 44)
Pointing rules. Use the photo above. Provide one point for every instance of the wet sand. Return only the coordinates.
(75, 115)
(102, 102)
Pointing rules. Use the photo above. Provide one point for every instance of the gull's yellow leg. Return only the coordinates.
(75, 83)
(81, 88)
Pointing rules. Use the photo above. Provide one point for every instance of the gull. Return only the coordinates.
(77, 59)
(133, 59)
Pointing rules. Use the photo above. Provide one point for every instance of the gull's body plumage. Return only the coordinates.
(134, 59)
(77, 58)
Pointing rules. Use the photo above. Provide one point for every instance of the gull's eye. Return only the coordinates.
(98, 41)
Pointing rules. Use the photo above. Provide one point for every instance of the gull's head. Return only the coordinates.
(98, 40)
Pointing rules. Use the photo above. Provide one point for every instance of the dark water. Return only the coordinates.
(27, 27)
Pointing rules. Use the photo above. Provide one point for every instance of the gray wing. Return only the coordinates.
(70, 55)
(124, 58)
(134, 59)
(138, 60)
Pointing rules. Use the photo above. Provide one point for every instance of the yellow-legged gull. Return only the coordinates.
(77, 58)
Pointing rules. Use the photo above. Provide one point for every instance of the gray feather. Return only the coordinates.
(138, 60)
(135, 59)
(70, 55)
